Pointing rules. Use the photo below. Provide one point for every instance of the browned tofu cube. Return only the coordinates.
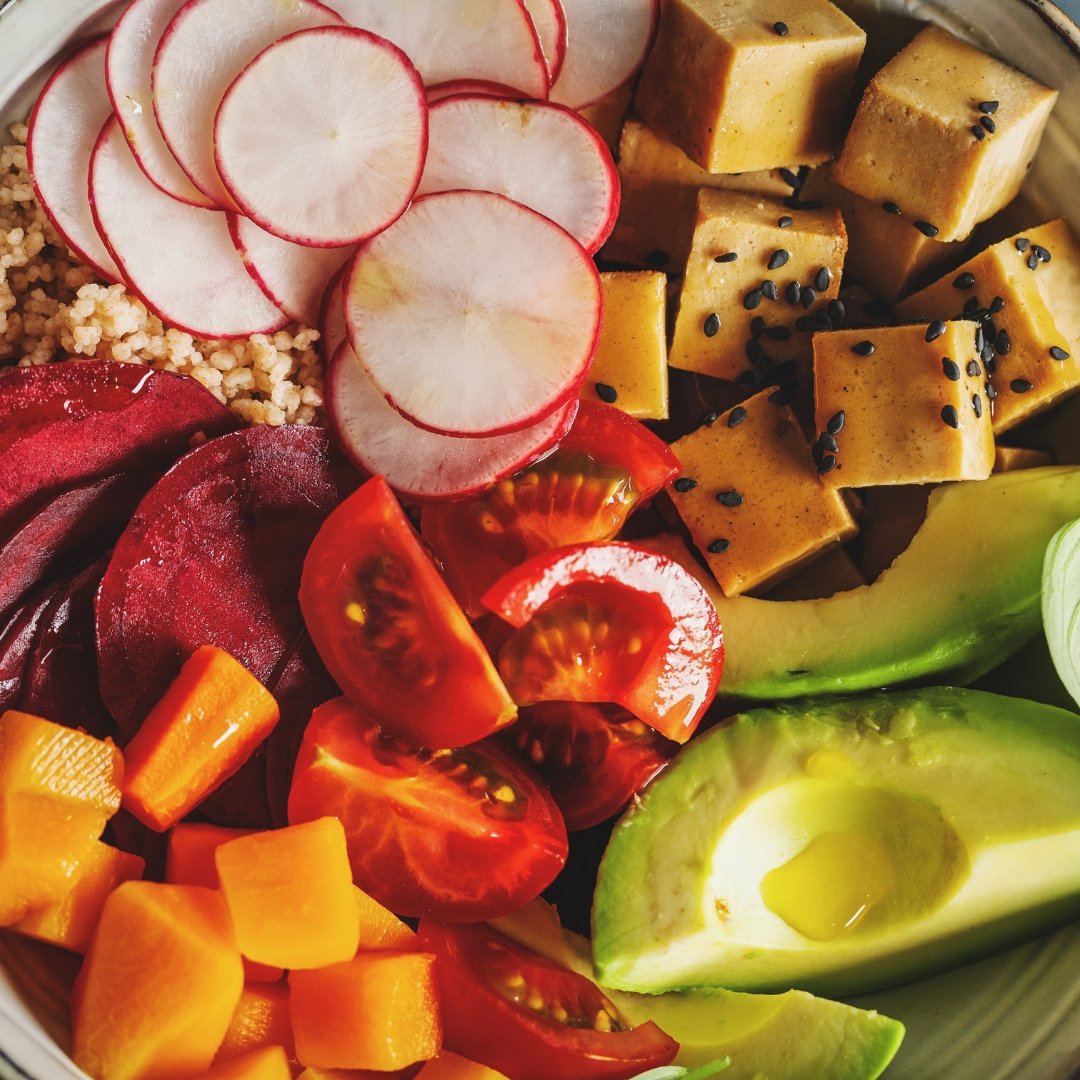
(1011, 458)
(751, 84)
(901, 405)
(944, 135)
(751, 497)
(758, 283)
(1023, 295)
(831, 573)
(659, 198)
(607, 114)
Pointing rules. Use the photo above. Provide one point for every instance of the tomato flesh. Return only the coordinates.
(611, 622)
(460, 834)
(516, 1011)
(389, 631)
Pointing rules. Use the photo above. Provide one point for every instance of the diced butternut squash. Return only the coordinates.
(393, 993)
(160, 983)
(290, 893)
(450, 1066)
(261, 1019)
(267, 1063)
(380, 928)
(58, 787)
(207, 725)
(70, 921)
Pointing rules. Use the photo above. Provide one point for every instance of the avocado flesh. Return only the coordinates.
(961, 599)
(789, 1036)
(968, 804)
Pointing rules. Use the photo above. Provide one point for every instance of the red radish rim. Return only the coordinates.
(556, 63)
(479, 87)
(408, 68)
(327, 348)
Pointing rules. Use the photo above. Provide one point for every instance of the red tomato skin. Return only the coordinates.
(677, 677)
(483, 1025)
(409, 650)
(423, 841)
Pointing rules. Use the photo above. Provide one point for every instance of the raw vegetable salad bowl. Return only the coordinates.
(1015, 1016)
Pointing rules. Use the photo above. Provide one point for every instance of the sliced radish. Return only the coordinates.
(350, 109)
(63, 128)
(206, 45)
(128, 63)
(492, 40)
(468, 86)
(179, 258)
(473, 314)
(606, 44)
(422, 464)
(332, 331)
(292, 276)
(542, 155)
(550, 25)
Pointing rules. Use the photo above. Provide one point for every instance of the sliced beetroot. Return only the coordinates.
(67, 424)
(213, 556)
(17, 642)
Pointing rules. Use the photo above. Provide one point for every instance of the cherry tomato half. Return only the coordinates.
(606, 465)
(611, 622)
(592, 757)
(459, 834)
(389, 631)
(516, 1011)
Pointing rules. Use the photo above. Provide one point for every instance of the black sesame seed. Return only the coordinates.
(863, 348)
(971, 304)
(988, 106)
(782, 396)
(806, 323)
(991, 391)
(827, 464)
(964, 281)
(757, 326)
(837, 312)
(791, 179)
(718, 547)
(785, 222)
(778, 258)
(606, 393)
(827, 443)
(951, 369)
(728, 256)
(736, 416)
(746, 377)
(926, 228)
(769, 290)
(751, 299)
(935, 330)
(1020, 386)
(976, 405)
(948, 415)
(1058, 353)
(1041, 253)
(685, 484)
(729, 498)
(781, 28)
(891, 208)
(978, 132)
(987, 357)
(1032, 261)
(836, 423)
(823, 279)
(822, 319)
(656, 258)
(1002, 343)
(793, 292)
(980, 339)
(973, 368)
(752, 350)
(989, 124)
(809, 295)
(1022, 243)
(711, 325)
(778, 333)
(996, 305)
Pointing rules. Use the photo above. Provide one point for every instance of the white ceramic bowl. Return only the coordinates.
(1014, 1017)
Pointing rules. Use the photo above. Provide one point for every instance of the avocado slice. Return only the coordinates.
(844, 845)
(961, 599)
(789, 1036)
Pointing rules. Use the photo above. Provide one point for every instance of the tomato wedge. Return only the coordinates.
(592, 757)
(389, 631)
(459, 834)
(611, 622)
(516, 1011)
(606, 465)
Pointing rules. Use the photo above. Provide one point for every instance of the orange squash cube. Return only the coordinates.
(377, 1011)
(58, 787)
(380, 928)
(290, 893)
(207, 725)
(267, 1063)
(261, 1019)
(448, 1066)
(159, 986)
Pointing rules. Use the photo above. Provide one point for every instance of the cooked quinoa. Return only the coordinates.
(53, 307)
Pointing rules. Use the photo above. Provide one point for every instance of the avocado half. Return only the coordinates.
(845, 845)
(962, 598)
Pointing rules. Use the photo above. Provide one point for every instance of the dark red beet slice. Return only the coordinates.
(65, 424)
(213, 556)
(17, 642)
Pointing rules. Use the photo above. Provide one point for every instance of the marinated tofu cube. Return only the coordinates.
(1011, 458)
(629, 369)
(756, 287)
(901, 405)
(884, 252)
(833, 572)
(607, 114)
(751, 84)
(944, 134)
(1022, 295)
(659, 198)
(751, 497)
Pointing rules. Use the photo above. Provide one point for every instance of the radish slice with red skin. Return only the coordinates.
(541, 155)
(350, 110)
(420, 464)
(200, 284)
(455, 331)
(207, 44)
(63, 128)
(128, 63)
(606, 44)
(332, 331)
(292, 276)
(549, 22)
(469, 86)
(493, 40)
